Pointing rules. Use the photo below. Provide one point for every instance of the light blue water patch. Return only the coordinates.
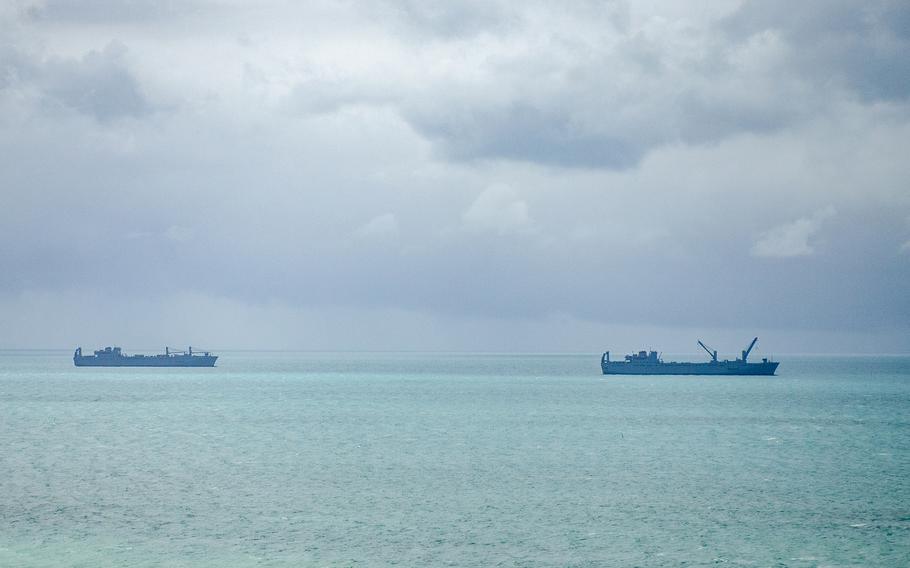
(295, 459)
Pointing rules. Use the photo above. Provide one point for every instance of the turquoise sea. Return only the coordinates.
(378, 459)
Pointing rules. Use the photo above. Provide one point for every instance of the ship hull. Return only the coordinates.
(718, 368)
(163, 361)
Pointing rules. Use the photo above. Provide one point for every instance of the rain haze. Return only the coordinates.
(493, 176)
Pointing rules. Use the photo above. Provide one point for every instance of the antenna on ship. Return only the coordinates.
(713, 354)
(749, 350)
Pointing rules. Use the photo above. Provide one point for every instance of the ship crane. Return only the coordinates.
(713, 354)
(749, 350)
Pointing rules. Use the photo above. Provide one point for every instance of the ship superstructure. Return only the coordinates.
(650, 363)
(114, 357)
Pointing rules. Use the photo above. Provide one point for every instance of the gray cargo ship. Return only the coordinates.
(650, 363)
(114, 357)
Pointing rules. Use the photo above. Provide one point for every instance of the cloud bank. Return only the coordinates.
(606, 165)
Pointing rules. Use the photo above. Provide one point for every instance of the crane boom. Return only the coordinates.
(749, 350)
(713, 354)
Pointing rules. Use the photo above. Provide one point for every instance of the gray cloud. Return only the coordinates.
(106, 11)
(448, 19)
(862, 45)
(607, 96)
(521, 132)
(98, 84)
(592, 105)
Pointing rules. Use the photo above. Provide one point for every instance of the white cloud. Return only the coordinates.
(500, 210)
(381, 226)
(792, 239)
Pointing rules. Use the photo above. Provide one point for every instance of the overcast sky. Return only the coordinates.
(440, 175)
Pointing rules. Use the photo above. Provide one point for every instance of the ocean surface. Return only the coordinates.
(378, 459)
